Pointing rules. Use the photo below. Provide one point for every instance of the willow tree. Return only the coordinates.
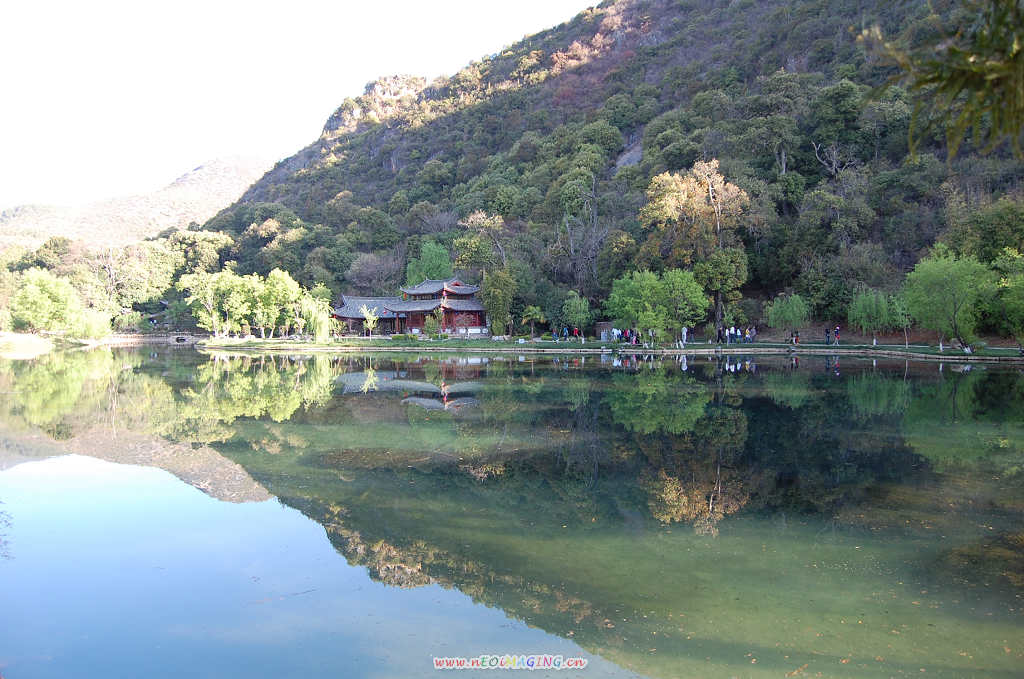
(869, 312)
(693, 218)
(943, 293)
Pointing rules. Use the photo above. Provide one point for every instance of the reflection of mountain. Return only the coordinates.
(564, 533)
(580, 560)
(203, 467)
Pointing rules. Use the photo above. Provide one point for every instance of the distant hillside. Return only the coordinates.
(194, 197)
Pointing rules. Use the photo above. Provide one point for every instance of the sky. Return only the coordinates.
(108, 98)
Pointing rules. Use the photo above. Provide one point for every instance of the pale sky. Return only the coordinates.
(103, 98)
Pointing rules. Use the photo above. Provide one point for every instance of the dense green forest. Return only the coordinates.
(748, 143)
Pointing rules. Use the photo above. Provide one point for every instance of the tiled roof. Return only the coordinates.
(432, 287)
(350, 306)
(414, 305)
(463, 305)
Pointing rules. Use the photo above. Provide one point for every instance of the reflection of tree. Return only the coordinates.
(871, 395)
(370, 383)
(651, 402)
(703, 485)
(229, 388)
(46, 391)
(790, 389)
(965, 419)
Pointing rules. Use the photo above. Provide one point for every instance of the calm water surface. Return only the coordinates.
(167, 513)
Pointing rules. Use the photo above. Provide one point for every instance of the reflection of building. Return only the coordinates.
(446, 396)
(461, 312)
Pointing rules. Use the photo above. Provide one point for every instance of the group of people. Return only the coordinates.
(565, 333)
(734, 335)
(629, 335)
(832, 336)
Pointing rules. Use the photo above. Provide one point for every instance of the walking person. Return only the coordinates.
(685, 330)
(828, 336)
(837, 335)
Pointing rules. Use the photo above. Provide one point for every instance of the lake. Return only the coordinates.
(170, 513)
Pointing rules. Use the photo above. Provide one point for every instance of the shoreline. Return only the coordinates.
(866, 351)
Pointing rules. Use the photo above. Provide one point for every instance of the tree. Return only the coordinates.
(533, 314)
(280, 292)
(943, 292)
(489, 228)
(899, 315)
(432, 321)
(201, 250)
(869, 312)
(987, 231)
(264, 311)
(1010, 295)
(204, 299)
(473, 253)
(662, 304)
(788, 311)
(43, 301)
(576, 311)
(973, 79)
(582, 234)
(316, 311)
(370, 318)
(137, 274)
(237, 297)
(694, 216)
(722, 274)
(496, 292)
(374, 273)
(434, 263)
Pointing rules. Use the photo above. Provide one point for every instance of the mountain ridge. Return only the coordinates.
(194, 196)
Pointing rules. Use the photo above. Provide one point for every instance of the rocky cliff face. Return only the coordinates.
(194, 197)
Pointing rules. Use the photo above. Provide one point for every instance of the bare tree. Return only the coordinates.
(579, 243)
(833, 157)
(373, 273)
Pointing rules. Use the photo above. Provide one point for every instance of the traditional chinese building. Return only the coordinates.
(461, 312)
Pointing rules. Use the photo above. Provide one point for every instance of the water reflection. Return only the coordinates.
(659, 512)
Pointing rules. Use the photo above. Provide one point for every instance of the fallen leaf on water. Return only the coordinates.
(797, 671)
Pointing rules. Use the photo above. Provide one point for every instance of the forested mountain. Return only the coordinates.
(659, 163)
(561, 134)
(194, 197)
